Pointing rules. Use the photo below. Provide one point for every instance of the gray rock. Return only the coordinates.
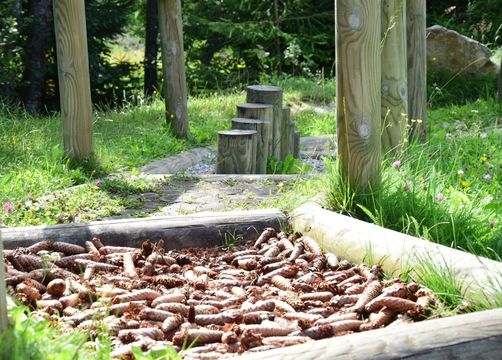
(449, 50)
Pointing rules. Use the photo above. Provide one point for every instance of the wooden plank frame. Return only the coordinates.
(199, 230)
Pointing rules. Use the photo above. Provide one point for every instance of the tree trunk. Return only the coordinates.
(35, 50)
(151, 48)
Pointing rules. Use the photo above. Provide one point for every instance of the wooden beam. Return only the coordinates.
(394, 77)
(73, 76)
(500, 81)
(471, 336)
(358, 93)
(417, 68)
(198, 230)
(3, 294)
(173, 66)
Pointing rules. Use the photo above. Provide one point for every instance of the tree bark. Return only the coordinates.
(151, 48)
(35, 50)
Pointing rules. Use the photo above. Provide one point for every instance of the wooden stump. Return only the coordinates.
(358, 96)
(236, 152)
(285, 120)
(73, 77)
(417, 68)
(394, 76)
(272, 95)
(262, 129)
(173, 66)
(3, 294)
(296, 145)
(261, 112)
(291, 138)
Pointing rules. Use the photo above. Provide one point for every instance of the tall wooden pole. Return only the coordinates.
(417, 68)
(3, 293)
(73, 74)
(358, 95)
(500, 81)
(173, 66)
(394, 76)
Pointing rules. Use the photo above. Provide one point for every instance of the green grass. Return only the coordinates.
(32, 164)
(32, 339)
(448, 190)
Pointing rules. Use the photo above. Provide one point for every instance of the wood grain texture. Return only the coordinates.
(260, 112)
(285, 120)
(500, 82)
(198, 230)
(291, 138)
(271, 95)
(3, 293)
(262, 129)
(472, 336)
(417, 68)
(358, 96)
(173, 66)
(236, 152)
(73, 77)
(296, 145)
(394, 77)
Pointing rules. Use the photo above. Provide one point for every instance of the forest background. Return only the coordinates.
(228, 44)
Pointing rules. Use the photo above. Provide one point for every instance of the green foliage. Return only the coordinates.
(445, 88)
(447, 190)
(235, 42)
(40, 340)
(289, 165)
(112, 82)
(479, 19)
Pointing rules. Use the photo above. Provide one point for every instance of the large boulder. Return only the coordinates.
(449, 50)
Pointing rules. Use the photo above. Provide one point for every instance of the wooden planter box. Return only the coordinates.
(461, 337)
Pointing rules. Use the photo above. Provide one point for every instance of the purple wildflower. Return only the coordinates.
(8, 207)
(439, 197)
(396, 164)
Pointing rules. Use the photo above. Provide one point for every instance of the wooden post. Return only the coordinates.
(261, 112)
(500, 81)
(3, 293)
(417, 68)
(285, 120)
(173, 66)
(262, 129)
(296, 145)
(394, 76)
(73, 76)
(236, 152)
(358, 96)
(291, 138)
(272, 95)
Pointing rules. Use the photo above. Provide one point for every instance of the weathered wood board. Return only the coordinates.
(471, 336)
(204, 229)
